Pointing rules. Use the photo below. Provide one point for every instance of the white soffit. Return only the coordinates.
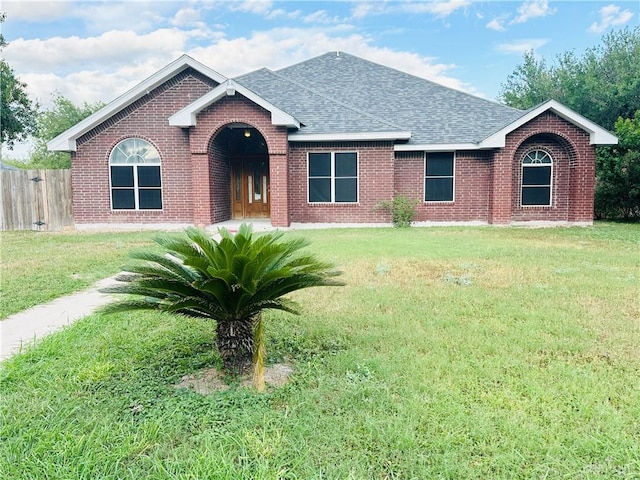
(597, 134)
(343, 137)
(435, 147)
(66, 141)
(187, 116)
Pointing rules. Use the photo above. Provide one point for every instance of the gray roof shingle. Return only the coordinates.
(342, 93)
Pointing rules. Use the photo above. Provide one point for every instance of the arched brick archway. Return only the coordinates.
(239, 173)
(212, 192)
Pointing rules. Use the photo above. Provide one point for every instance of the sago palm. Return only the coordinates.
(230, 281)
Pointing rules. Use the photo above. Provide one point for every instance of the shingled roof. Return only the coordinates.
(338, 92)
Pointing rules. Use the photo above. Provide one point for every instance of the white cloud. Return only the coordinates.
(497, 24)
(439, 9)
(521, 46)
(320, 17)
(258, 7)
(533, 9)
(610, 16)
(34, 11)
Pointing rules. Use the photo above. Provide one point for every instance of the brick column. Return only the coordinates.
(501, 189)
(201, 190)
(583, 176)
(279, 189)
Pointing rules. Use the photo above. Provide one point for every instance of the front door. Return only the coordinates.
(250, 186)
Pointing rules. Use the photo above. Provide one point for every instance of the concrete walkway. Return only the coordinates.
(22, 329)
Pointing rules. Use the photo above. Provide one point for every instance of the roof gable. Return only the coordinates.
(66, 141)
(186, 117)
(597, 134)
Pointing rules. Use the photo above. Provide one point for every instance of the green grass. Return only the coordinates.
(451, 353)
(37, 267)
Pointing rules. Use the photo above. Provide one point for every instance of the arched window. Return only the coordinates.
(135, 176)
(537, 170)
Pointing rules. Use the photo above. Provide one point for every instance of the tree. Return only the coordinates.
(17, 112)
(602, 85)
(618, 182)
(231, 281)
(63, 115)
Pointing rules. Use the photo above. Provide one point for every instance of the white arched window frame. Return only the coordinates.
(135, 176)
(537, 179)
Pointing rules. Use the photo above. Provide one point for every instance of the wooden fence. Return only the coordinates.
(36, 200)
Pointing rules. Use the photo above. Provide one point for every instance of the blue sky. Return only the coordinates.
(94, 50)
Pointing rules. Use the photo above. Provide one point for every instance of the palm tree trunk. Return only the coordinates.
(234, 340)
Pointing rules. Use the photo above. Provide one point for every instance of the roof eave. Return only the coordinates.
(187, 117)
(597, 134)
(435, 147)
(342, 137)
(66, 141)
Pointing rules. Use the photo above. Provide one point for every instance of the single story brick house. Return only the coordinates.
(324, 141)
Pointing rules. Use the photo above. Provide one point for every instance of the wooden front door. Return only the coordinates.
(250, 186)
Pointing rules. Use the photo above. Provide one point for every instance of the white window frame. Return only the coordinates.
(536, 165)
(333, 178)
(136, 188)
(452, 177)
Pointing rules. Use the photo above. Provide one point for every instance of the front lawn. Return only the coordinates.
(37, 266)
(451, 353)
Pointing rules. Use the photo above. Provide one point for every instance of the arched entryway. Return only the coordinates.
(244, 151)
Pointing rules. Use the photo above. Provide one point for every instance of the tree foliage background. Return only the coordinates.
(603, 85)
(62, 115)
(17, 112)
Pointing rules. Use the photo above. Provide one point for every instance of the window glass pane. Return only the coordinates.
(537, 157)
(346, 190)
(123, 199)
(134, 150)
(122, 176)
(148, 176)
(346, 165)
(150, 199)
(536, 195)
(319, 164)
(439, 190)
(536, 176)
(439, 164)
(319, 190)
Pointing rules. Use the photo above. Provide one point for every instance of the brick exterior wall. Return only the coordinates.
(147, 119)
(196, 171)
(471, 187)
(573, 173)
(375, 183)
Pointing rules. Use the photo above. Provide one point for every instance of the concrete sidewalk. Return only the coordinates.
(22, 329)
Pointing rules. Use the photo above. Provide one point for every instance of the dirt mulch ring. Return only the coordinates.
(211, 380)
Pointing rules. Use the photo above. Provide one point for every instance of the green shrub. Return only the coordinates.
(402, 210)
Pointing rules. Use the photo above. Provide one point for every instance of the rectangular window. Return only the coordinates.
(136, 187)
(333, 177)
(439, 175)
(536, 185)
